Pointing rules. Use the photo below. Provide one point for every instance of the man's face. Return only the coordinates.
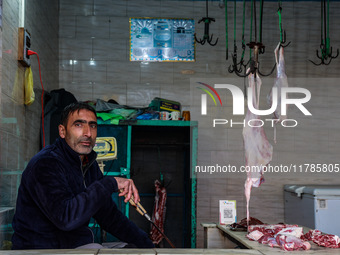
(80, 132)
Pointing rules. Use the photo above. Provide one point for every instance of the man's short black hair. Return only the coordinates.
(71, 108)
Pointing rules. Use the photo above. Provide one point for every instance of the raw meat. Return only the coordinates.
(291, 243)
(270, 241)
(292, 231)
(287, 237)
(243, 224)
(158, 215)
(273, 229)
(255, 235)
(326, 240)
(258, 151)
(280, 82)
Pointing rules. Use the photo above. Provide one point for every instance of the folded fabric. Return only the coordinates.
(108, 116)
(108, 122)
(102, 106)
(126, 113)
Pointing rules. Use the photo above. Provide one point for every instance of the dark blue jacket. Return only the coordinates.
(56, 201)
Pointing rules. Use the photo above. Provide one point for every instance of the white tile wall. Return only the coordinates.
(110, 49)
(92, 27)
(82, 91)
(67, 24)
(123, 72)
(110, 8)
(143, 8)
(111, 91)
(77, 7)
(73, 49)
(89, 71)
(142, 94)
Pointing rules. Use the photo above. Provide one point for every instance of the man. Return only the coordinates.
(62, 187)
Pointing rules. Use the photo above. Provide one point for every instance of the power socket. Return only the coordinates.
(24, 40)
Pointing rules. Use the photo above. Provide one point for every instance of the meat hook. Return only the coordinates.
(257, 46)
(282, 32)
(269, 72)
(284, 40)
(253, 62)
(241, 66)
(206, 37)
(325, 48)
(326, 58)
(238, 68)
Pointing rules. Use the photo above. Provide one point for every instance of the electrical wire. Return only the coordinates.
(29, 53)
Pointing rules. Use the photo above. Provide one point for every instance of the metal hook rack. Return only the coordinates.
(326, 50)
(239, 68)
(206, 37)
(326, 55)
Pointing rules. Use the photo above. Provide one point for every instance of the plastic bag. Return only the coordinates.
(29, 92)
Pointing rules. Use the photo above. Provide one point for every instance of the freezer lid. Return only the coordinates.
(316, 190)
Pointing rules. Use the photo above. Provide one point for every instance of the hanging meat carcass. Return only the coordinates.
(258, 151)
(158, 214)
(281, 81)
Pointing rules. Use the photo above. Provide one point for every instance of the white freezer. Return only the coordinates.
(313, 206)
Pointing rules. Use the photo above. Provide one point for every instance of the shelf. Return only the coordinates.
(170, 123)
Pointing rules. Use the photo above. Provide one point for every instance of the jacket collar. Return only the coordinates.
(71, 155)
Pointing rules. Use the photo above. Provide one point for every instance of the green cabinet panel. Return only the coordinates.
(164, 150)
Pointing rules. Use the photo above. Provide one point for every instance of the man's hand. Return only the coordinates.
(128, 189)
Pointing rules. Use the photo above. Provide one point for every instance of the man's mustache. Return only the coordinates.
(86, 140)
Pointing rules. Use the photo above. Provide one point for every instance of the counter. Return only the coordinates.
(134, 251)
(220, 236)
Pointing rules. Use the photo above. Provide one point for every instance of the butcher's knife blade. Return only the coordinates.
(140, 209)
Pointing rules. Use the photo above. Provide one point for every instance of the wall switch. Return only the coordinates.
(24, 40)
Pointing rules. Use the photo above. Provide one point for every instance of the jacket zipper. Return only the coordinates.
(83, 173)
(85, 170)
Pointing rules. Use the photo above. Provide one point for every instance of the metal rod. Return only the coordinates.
(206, 7)
(255, 23)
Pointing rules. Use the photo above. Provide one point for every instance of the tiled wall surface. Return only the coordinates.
(20, 124)
(99, 31)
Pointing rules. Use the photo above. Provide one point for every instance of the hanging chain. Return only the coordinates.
(226, 28)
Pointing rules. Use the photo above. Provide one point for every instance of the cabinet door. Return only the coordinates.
(116, 167)
(163, 153)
